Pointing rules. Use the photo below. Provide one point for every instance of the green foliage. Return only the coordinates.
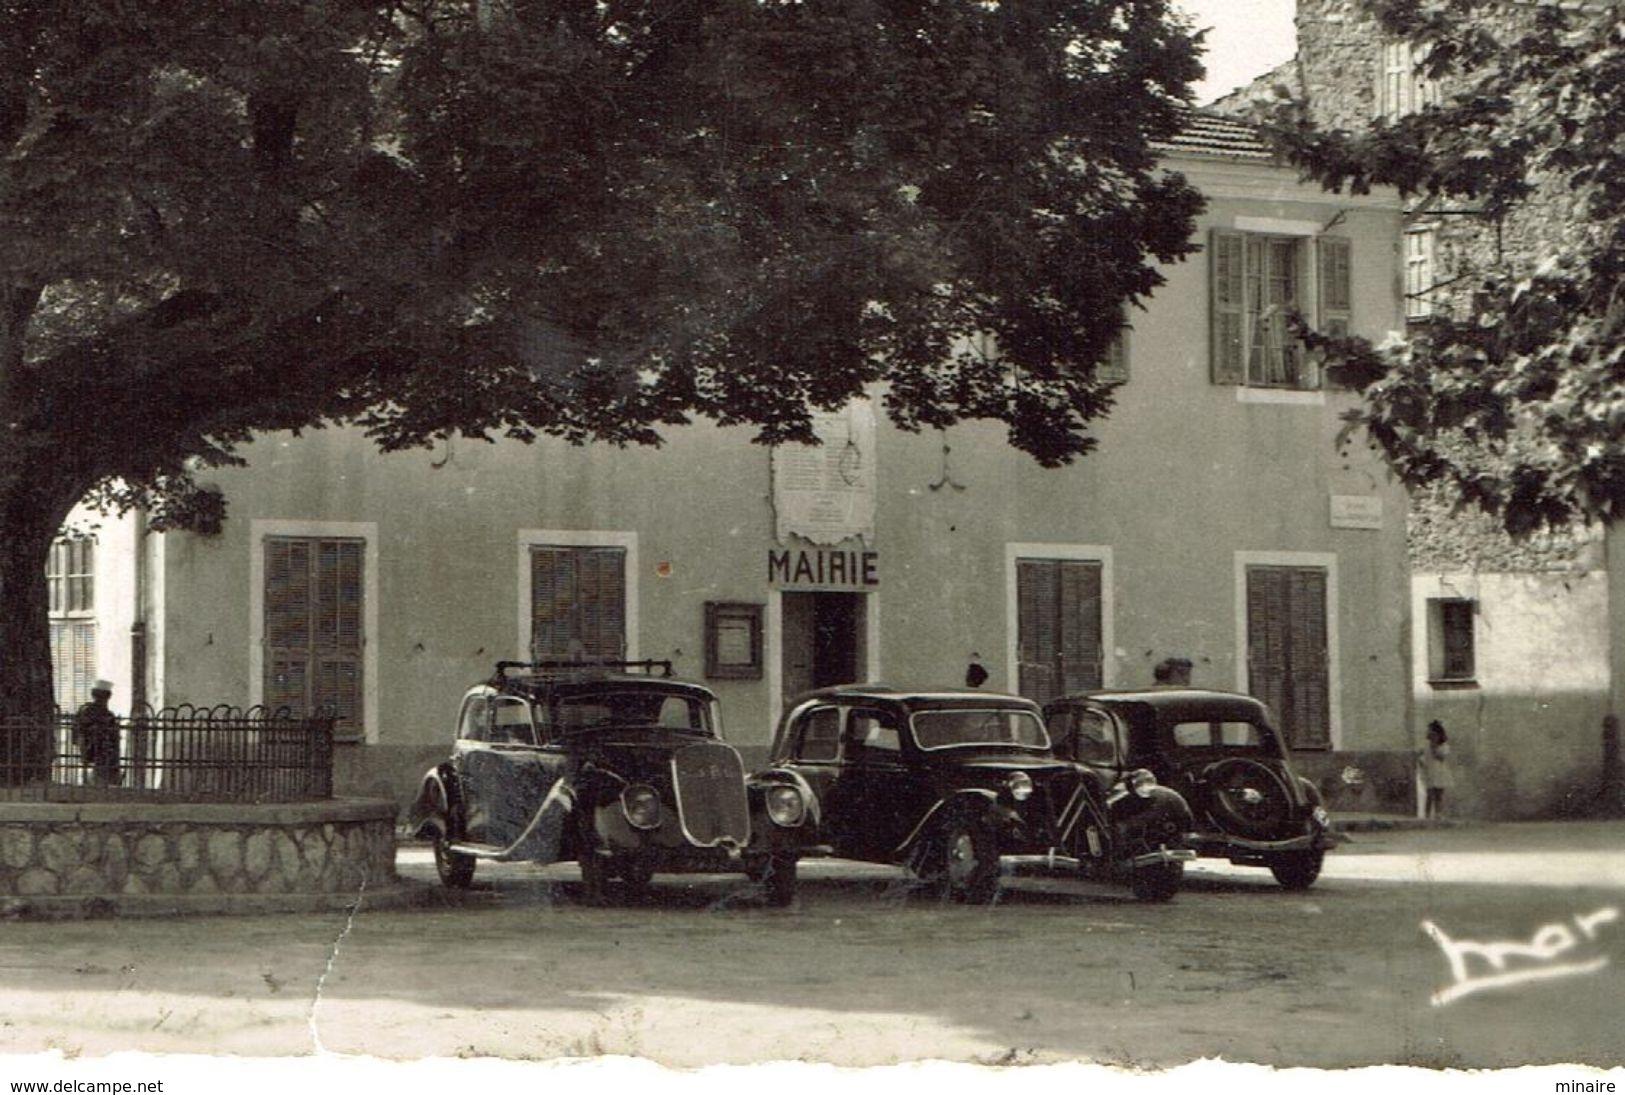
(584, 218)
(1517, 400)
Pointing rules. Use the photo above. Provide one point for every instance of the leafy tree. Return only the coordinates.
(1516, 401)
(582, 218)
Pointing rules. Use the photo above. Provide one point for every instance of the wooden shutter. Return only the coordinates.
(1336, 290)
(1081, 656)
(314, 640)
(73, 661)
(1037, 595)
(1309, 661)
(1059, 627)
(578, 603)
(287, 624)
(1228, 296)
(1287, 651)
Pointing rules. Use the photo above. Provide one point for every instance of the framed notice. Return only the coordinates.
(733, 641)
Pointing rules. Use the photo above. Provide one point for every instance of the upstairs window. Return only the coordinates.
(1401, 89)
(1257, 282)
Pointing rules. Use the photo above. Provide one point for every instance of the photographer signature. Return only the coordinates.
(1508, 964)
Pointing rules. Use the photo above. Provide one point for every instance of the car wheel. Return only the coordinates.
(594, 877)
(455, 869)
(1158, 882)
(635, 875)
(1297, 870)
(778, 879)
(969, 862)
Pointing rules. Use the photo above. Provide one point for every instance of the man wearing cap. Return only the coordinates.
(95, 732)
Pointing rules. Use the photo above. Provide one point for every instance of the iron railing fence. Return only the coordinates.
(177, 754)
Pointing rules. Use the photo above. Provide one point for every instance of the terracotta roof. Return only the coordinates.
(1209, 134)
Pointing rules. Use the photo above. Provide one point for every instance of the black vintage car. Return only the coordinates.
(614, 765)
(948, 783)
(1221, 751)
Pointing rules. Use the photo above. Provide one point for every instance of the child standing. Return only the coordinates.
(1436, 774)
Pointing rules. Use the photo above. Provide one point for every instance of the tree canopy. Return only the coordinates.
(1516, 399)
(584, 218)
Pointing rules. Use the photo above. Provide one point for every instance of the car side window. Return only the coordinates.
(1096, 737)
(510, 721)
(873, 730)
(820, 735)
(471, 725)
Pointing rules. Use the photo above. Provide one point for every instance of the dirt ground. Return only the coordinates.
(865, 970)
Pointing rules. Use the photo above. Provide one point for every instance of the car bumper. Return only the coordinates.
(1210, 844)
(1058, 861)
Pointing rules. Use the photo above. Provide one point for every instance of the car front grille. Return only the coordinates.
(709, 781)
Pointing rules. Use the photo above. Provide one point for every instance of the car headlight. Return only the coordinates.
(785, 806)
(1020, 786)
(1322, 818)
(641, 805)
(1140, 781)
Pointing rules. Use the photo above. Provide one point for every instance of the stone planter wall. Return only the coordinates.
(123, 857)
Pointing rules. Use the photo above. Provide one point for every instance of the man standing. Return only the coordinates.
(95, 732)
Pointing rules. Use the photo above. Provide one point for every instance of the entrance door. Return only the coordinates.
(823, 640)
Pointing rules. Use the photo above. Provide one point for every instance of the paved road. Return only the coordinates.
(865, 969)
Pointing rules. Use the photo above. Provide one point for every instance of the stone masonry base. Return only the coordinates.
(88, 859)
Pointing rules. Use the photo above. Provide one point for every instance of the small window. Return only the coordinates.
(820, 738)
(733, 641)
(872, 730)
(1419, 272)
(471, 727)
(1096, 737)
(1451, 656)
(510, 722)
(1114, 366)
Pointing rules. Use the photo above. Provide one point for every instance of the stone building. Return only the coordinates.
(1511, 646)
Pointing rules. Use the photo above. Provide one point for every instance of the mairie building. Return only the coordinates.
(1223, 520)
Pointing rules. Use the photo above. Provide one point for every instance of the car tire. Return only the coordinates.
(1247, 798)
(635, 875)
(1297, 870)
(778, 879)
(968, 862)
(594, 877)
(1158, 882)
(455, 869)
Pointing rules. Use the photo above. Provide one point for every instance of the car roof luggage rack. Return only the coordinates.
(580, 669)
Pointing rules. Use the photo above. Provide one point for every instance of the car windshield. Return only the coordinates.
(1221, 734)
(947, 729)
(631, 707)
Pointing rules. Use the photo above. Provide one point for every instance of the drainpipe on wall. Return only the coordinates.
(138, 625)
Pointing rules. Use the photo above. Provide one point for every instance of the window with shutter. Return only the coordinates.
(70, 581)
(1401, 88)
(1419, 272)
(1059, 627)
(578, 603)
(1287, 653)
(313, 635)
(1450, 640)
(1258, 283)
(1228, 271)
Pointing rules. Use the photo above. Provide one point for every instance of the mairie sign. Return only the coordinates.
(822, 567)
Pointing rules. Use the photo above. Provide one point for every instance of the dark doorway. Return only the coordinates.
(823, 640)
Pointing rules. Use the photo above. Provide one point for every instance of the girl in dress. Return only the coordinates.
(1436, 774)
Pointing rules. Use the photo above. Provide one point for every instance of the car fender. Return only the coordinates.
(1162, 816)
(758, 783)
(430, 814)
(975, 801)
(1311, 792)
(545, 835)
